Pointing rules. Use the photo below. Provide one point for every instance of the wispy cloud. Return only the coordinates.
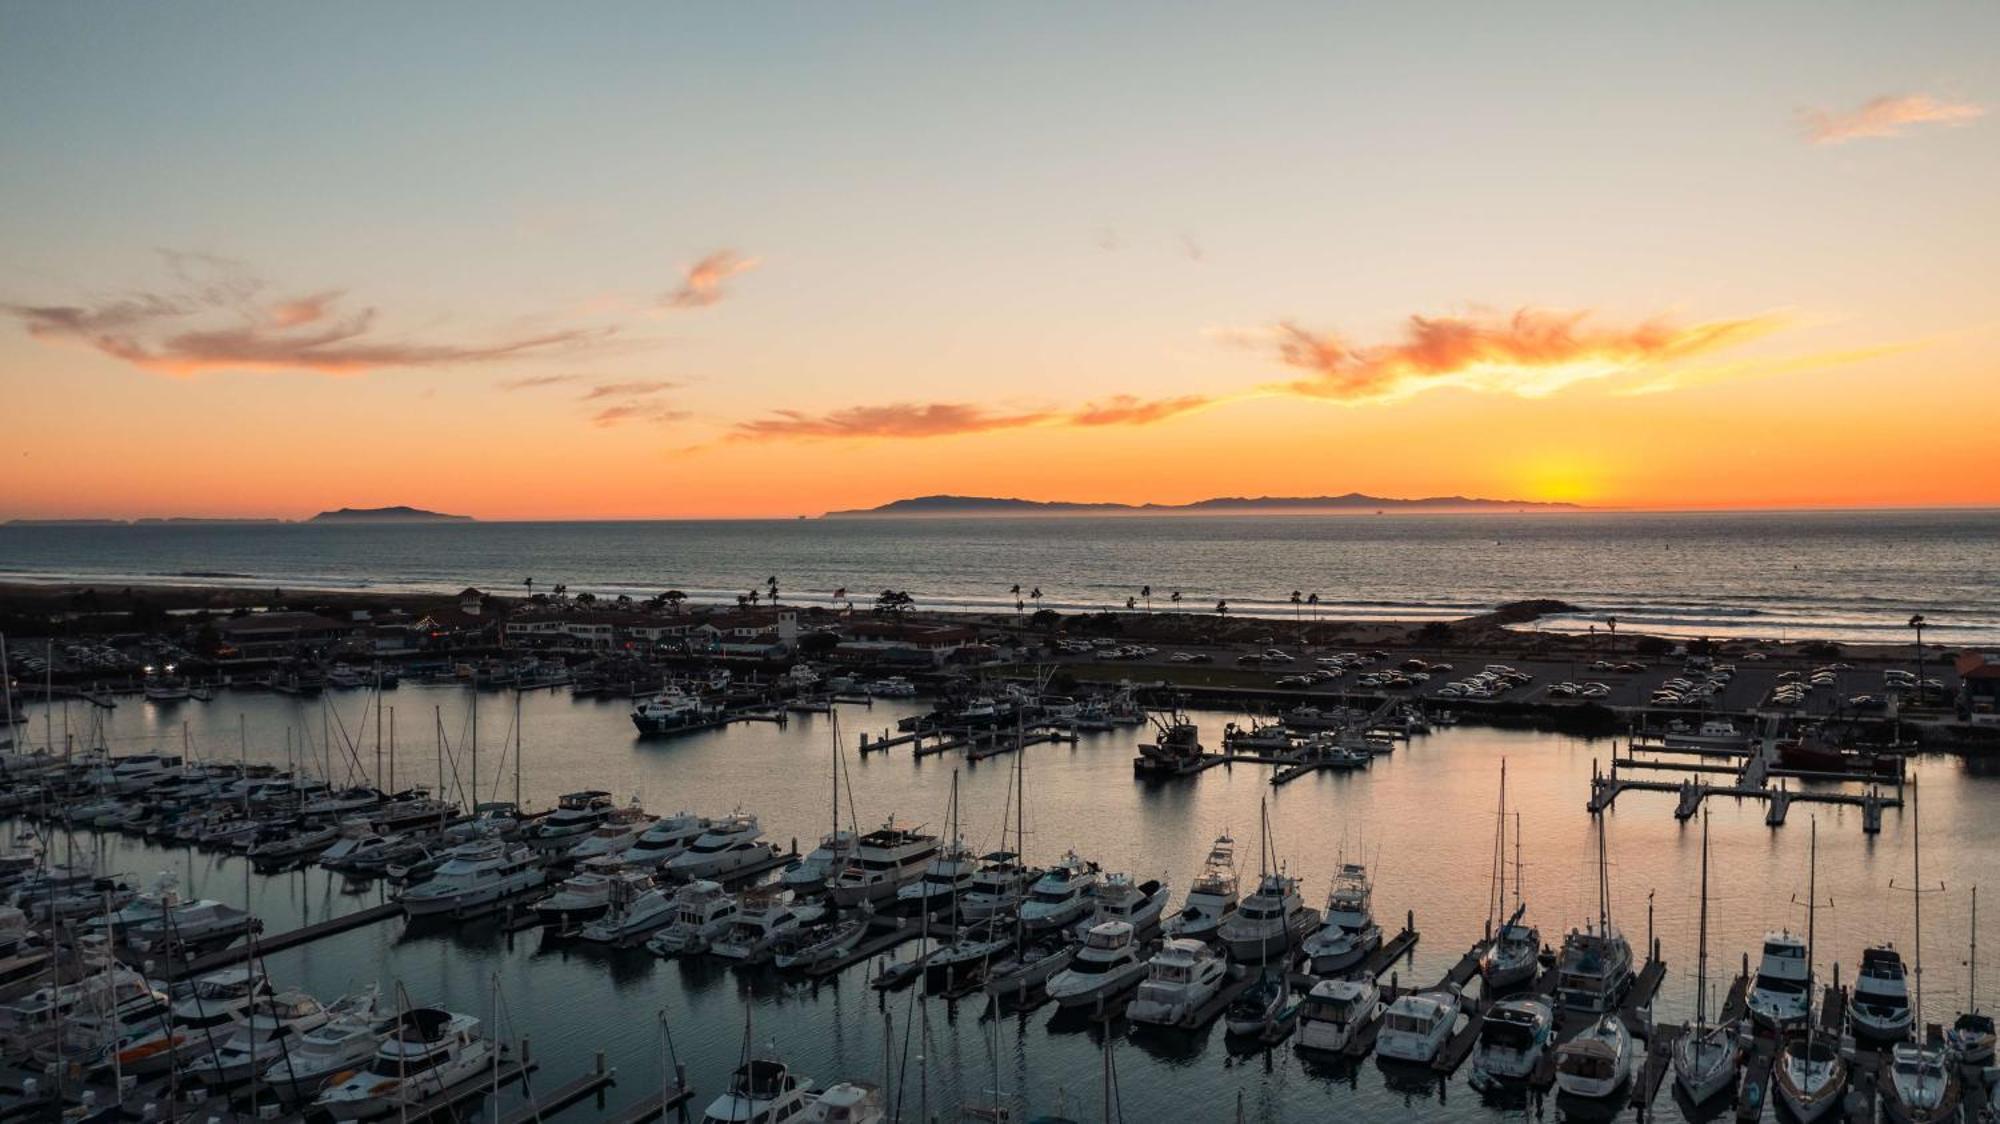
(1710, 375)
(636, 411)
(950, 419)
(533, 382)
(1124, 409)
(212, 322)
(1886, 116)
(635, 389)
(1531, 353)
(702, 285)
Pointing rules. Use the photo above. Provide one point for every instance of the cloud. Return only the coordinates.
(1886, 117)
(628, 389)
(214, 322)
(1731, 372)
(703, 283)
(900, 419)
(532, 382)
(636, 411)
(1124, 409)
(1532, 353)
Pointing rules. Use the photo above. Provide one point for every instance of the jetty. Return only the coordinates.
(1748, 777)
(305, 934)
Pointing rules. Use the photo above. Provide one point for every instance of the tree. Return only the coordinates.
(1175, 597)
(1146, 591)
(674, 598)
(586, 598)
(1131, 603)
(623, 601)
(752, 597)
(1035, 595)
(894, 602)
(1045, 619)
(1313, 600)
(818, 644)
(1222, 608)
(1612, 624)
(1298, 600)
(530, 584)
(771, 583)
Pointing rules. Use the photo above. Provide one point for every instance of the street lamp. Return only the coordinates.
(1917, 622)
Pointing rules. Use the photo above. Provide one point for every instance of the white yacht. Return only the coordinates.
(430, 1052)
(1106, 965)
(673, 710)
(1061, 896)
(730, 844)
(344, 1042)
(272, 1024)
(1138, 904)
(1336, 1010)
(209, 1011)
(1180, 978)
(586, 896)
(1597, 1063)
(1270, 923)
(811, 872)
(664, 840)
(761, 1091)
(473, 875)
(1349, 932)
(1879, 1010)
(848, 1102)
(946, 879)
(191, 923)
(1514, 1037)
(997, 887)
(108, 987)
(884, 861)
(1416, 1026)
(629, 921)
(576, 815)
(704, 911)
(1922, 1086)
(1781, 996)
(765, 916)
(1212, 897)
(613, 836)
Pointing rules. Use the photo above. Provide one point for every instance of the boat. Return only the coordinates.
(1212, 896)
(835, 851)
(1970, 1036)
(704, 912)
(1175, 750)
(353, 1031)
(430, 1053)
(1514, 1037)
(1106, 965)
(1030, 967)
(765, 915)
(586, 896)
(617, 832)
(674, 711)
(474, 875)
(293, 846)
(1180, 979)
(1061, 896)
(108, 989)
(884, 861)
(1923, 1085)
(1706, 1057)
(1118, 898)
(1416, 1027)
(1715, 733)
(1878, 1011)
(945, 880)
(1335, 1011)
(1263, 1008)
(1597, 1063)
(634, 917)
(1512, 955)
(1272, 919)
(192, 923)
(576, 815)
(1781, 995)
(1810, 1070)
(209, 1011)
(996, 888)
(1595, 966)
(819, 945)
(730, 844)
(760, 1091)
(265, 1033)
(663, 840)
(1349, 932)
(848, 1102)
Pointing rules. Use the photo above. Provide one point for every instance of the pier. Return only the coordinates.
(1750, 778)
(599, 1078)
(305, 934)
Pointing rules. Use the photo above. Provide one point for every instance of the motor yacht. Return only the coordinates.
(811, 872)
(192, 923)
(270, 1027)
(849, 1102)
(946, 880)
(997, 887)
(1596, 1064)
(205, 1017)
(1349, 932)
(576, 815)
(766, 915)
(429, 1053)
(704, 911)
(1212, 897)
(1061, 896)
(1336, 1010)
(1270, 923)
(664, 840)
(760, 1091)
(1416, 1026)
(586, 896)
(1119, 898)
(1781, 995)
(1029, 968)
(636, 918)
(1878, 1012)
(673, 711)
(1513, 1039)
(345, 1041)
(1106, 965)
(474, 875)
(618, 831)
(1180, 978)
(729, 845)
(884, 861)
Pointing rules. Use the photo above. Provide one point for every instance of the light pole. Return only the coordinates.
(1917, 622)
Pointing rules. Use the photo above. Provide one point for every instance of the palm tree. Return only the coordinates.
(1313, 600)
(1222, 608)
(674, 597)
(1175, 597)
(530, 583)
(753, 597)
(1612, 624)
(1016, 590)
(772, 583)
(1146, 591)
(1917, 622)
(1298, 600)
(1131, 603)
(1035, 595)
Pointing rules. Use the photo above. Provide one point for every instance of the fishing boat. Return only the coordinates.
(1349, 932)
(1212, 896)
(1514, 1037)
(430, 1053)
(1597, 1063)
(760, 1091)
(1180, 979)
(1272, 919)
(1706, 1057)
(1416, 1026)
(1335, 1011)
(1175, 750)
(1595, 966)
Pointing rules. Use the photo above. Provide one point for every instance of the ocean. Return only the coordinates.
(1845, 575)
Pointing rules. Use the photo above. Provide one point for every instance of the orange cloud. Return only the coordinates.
(1124, 409)
(532, 382)
(900, 419)
(703, 284)
(1531, 353)
(1886, 117)
(636, 411)
(634, 389)
(165, 333)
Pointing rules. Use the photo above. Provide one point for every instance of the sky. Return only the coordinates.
(638, 260)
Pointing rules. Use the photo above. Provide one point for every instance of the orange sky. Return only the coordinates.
(697, 266)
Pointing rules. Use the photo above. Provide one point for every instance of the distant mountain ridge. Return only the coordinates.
(1224, 505)
(397, 514)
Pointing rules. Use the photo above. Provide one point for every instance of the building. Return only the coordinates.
(906, 641)
(1979, 681)
(278, 635)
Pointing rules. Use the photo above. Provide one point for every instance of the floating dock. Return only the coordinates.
(305, 934)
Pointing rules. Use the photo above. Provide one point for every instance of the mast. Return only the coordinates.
(1603, 884)
(1496, 895)
(517, 760)
(1517, 861)
(1701, 960)
(1812, 917)
(475, 746)
(1972, 962)
(380, 777)
(1917, 902)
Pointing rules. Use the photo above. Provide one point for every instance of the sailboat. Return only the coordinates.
(1810, 1072)
(812, 872)
(1265, 919)
(1971, 1036)
(1923, 1081)
(1705, 1056)
(1596, 964)
(1513, 951)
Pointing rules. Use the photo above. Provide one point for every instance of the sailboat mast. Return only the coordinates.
(1972, 961)
(517, 758)
(1917, 898)
(1517, 860)
(1701, 959)
(1603, 883)
(834, 714)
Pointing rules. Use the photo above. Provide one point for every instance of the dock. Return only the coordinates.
(1395, 948)
(1459, 1046)
(1653, 1070)
(305, 934)
(653, 1106)
(1750, 780)
(868, 949)
(599, 1078)
(1219, 1002)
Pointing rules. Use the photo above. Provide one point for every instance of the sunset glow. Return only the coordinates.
(700, 262)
